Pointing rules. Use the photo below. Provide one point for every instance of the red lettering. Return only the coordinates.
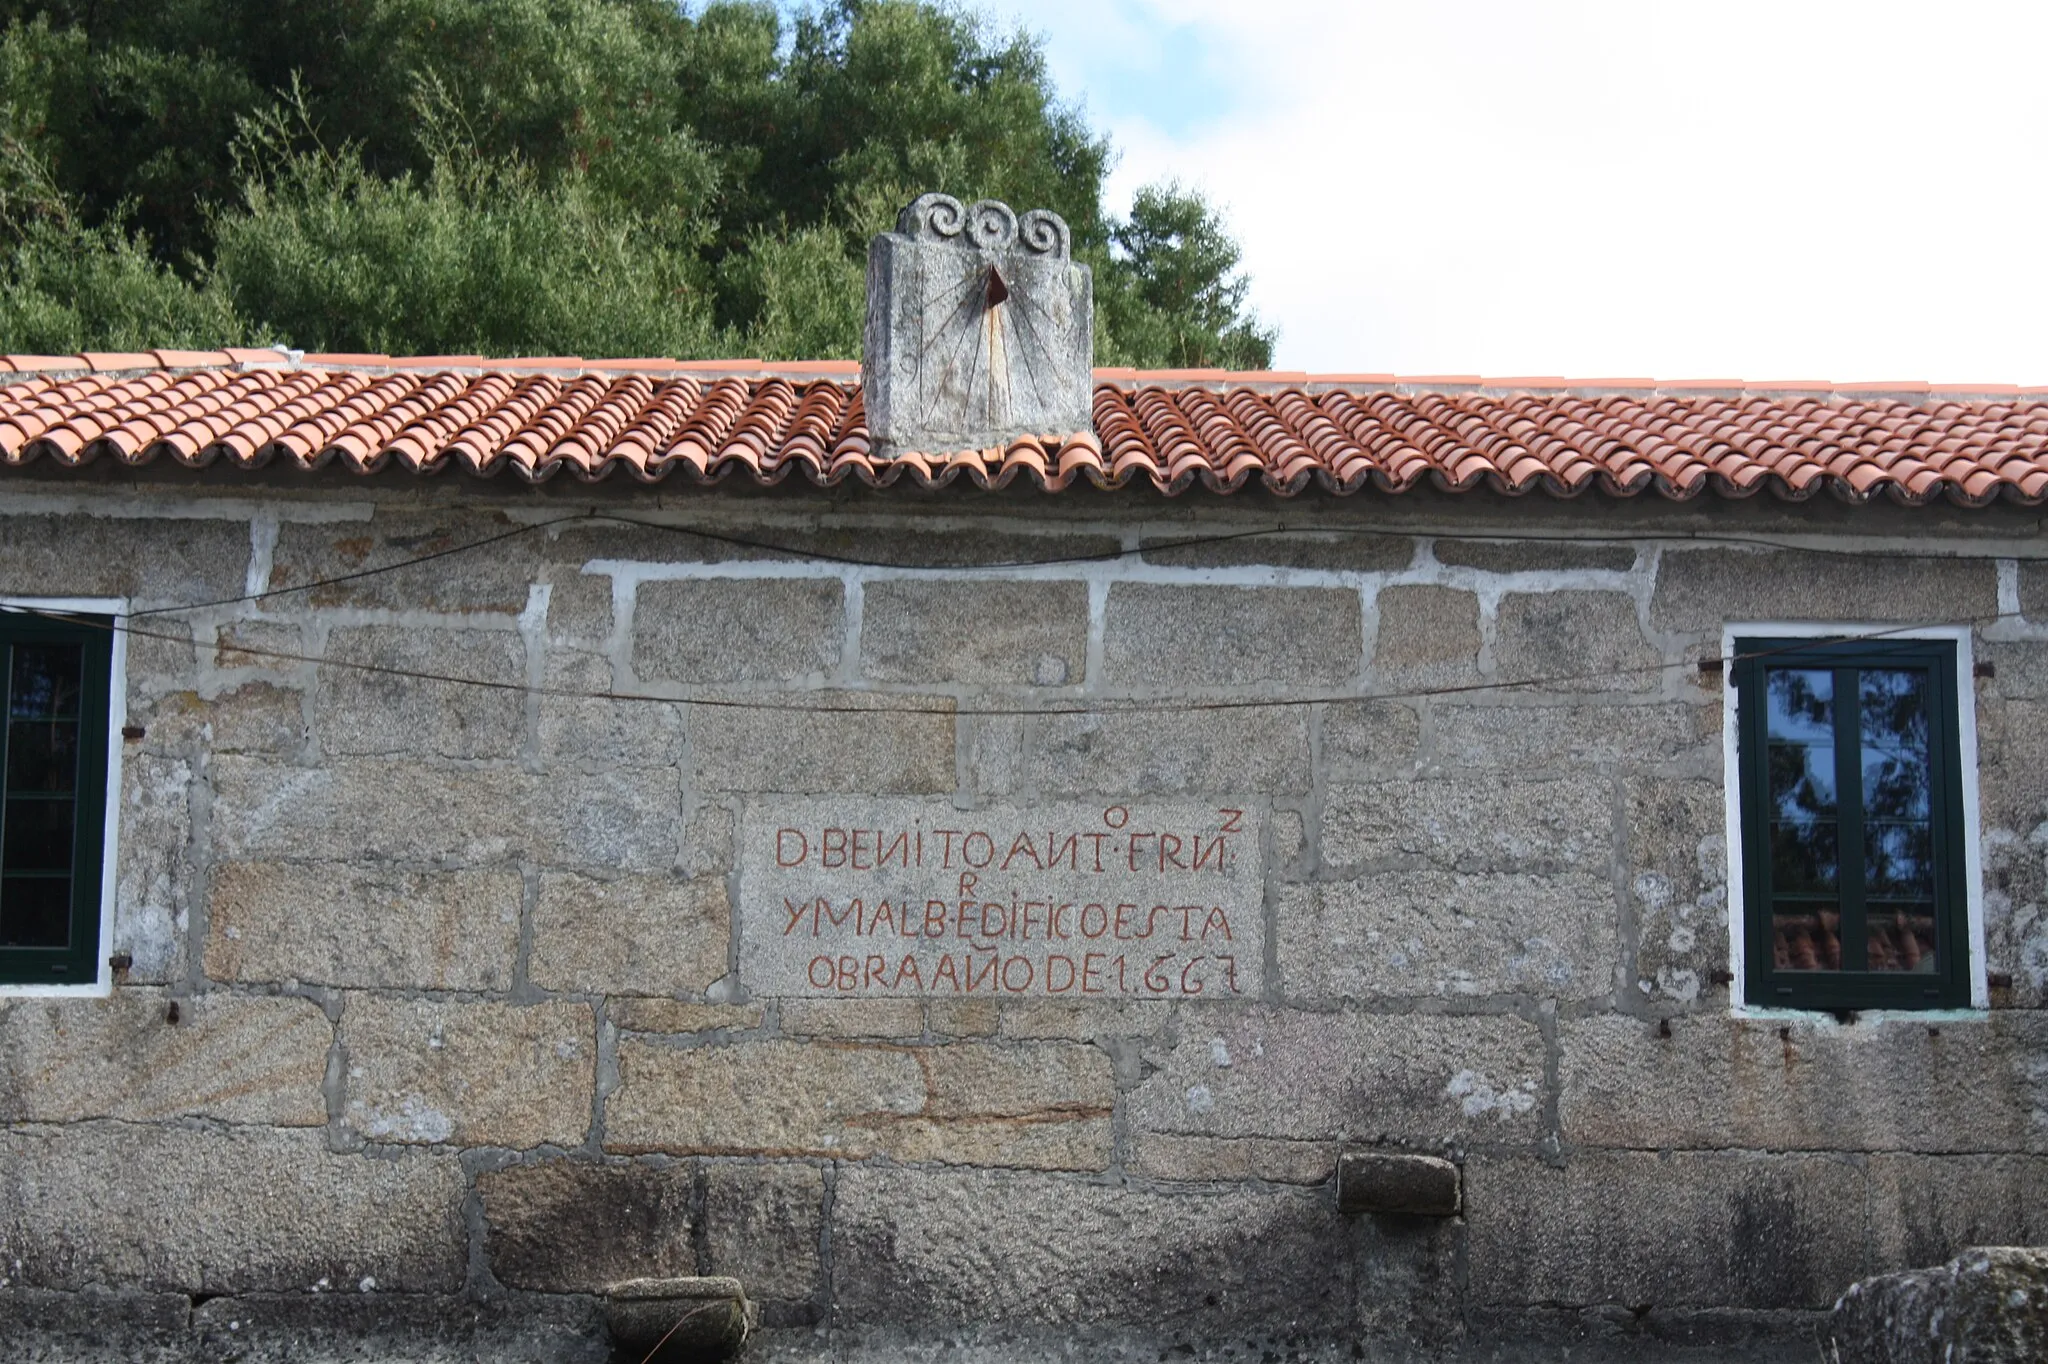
(883, 911)
(832, 849)
(796, 913)
(1169, 852)
(1214, 850)
(1030, 918)
(934, 918)
(1233, 822)
(946, 846)
(1101, 920)
(946, 972)
(812, 973)
(898, 851)
(1097, 840)
(871, 973)
(858, 865)
(986, 842)
(1070, 850)
(1132, 856)
(1052, 925)
(1185, 988)
(976, 978)
(849, 973)
(1052, 964)
(1023, 844)
(1008, 978)
(1157, 981)
(1116, 816)
(1090, 964)
(852, 912)
(1230, 973)
(803, 848)
(908, 969)
(1002, 920)
(968, 881)
(1216, 919)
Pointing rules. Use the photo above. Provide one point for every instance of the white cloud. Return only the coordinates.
(1766, 190)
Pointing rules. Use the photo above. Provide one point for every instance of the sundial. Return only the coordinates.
(979, 329)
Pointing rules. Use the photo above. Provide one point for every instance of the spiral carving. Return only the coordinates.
(1044, 232)
(932, 215)
(991, 225)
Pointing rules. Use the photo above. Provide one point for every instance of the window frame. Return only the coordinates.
(1959, 892)
(101, 981)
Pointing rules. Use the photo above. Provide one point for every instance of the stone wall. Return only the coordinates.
(434, 993)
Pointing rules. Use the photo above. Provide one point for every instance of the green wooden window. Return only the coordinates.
(1852, 824)
(53, 787)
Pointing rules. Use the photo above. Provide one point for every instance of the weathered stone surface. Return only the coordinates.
(881, 1018)
(435, 1073)
(603, 735)
(362, 713)
(351, 924)
(1331, 552)
(2012, 738)
(964, 1017)
(883, 745)
(154, 869)
(258, 717)
(1060, 1251)
(1811, 1084)
(687, 1320)
(235, 1058)
(262, 644)
(367, 810)
(1177, 1156)
(675, 1016)
(637, 935)
(762, 1226)
(1678, 879)
(1428, 637)
(947, 274)
(1925, 1209)
(907, 899)
(1139, 752)
(1397, 1182)
(1536, 737)
(1472, 825)
(1209, 636)
(1683, 1229)
(709, 630)
(580, 612)
(1415, 1078)
(223, 1211)
(1988, 1305)
(1533, 556)
(1448, 933)
(1009, 633)
(1699, 590)
(575, 1226)
(1060, 1020)
(1574, 641)
(492, 579)
(396, 1328)
(761, 1098)
(1370, 737)
(1033, 1107)
(154, 562)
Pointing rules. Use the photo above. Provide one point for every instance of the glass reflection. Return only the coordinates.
(42, 756)
(44, 682)
(1801, 771)
(37, 835)
(1901, 938)
(1806, 938)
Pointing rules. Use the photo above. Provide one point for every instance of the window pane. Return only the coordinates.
(1802, 781)
(1901, 938)
(42, 755)
(44, 685)
(1801, 704)
(1806, 938)
(35, 911)
(1898, 860)
(38, 836)
(1803, 855)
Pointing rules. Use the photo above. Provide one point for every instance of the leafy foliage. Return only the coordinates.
(600, 177)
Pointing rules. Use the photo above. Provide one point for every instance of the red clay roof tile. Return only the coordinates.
(706, 420)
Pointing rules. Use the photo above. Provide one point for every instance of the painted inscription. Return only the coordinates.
(900, 898)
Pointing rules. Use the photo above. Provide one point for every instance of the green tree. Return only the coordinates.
(543, 176)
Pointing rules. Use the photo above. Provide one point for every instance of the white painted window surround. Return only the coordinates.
(110, 859)
(1973, 858)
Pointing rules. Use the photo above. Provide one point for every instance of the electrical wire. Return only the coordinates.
(794, 701)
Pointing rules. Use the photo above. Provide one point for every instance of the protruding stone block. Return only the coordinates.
(669, 1321)
(980, 329)
(1397, 1182)
(1987, 1306)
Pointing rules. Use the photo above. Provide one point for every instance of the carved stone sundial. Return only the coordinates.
(979, 329)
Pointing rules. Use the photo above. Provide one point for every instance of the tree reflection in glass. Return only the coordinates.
(1805, 844)
(1898, 819)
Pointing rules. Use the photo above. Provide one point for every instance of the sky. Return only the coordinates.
(1793, 190)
